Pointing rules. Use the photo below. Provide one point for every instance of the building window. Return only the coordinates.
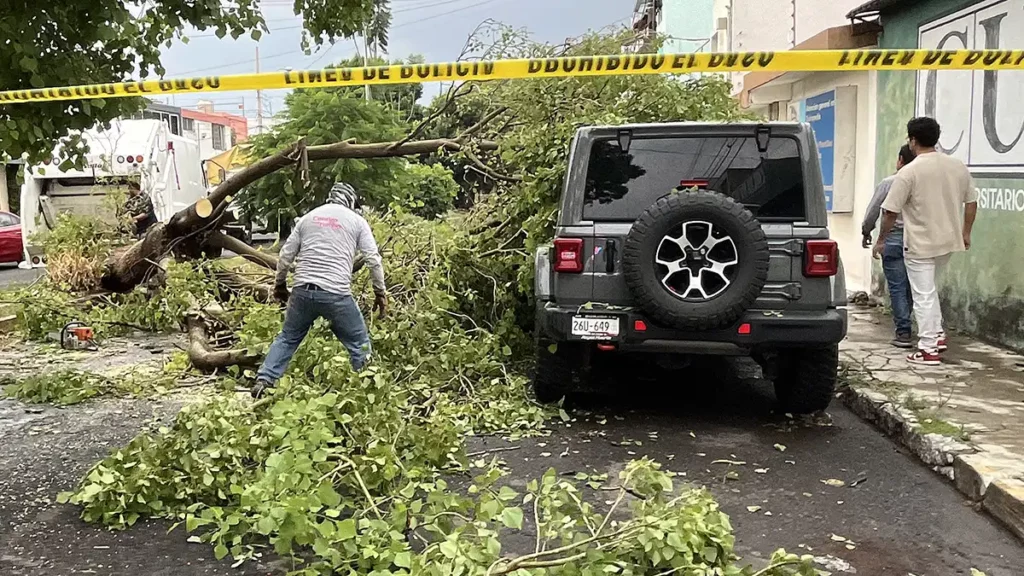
(188, 125)
(218, 136)
(174, 126)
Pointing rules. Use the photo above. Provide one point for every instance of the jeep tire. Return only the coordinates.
(560, 370)
(805, 378)
(670, 214)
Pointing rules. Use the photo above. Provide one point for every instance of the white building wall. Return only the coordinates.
(202, 134)
(813, 16)
(778, 24)
(845, 227)
(720, 12)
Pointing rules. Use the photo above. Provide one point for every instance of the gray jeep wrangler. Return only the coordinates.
(684, 239)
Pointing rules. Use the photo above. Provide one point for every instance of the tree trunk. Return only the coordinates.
(205, 358)
(188, 230)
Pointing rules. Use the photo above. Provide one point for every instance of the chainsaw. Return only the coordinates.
(77, 336)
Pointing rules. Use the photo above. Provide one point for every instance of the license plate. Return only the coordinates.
(590, 328)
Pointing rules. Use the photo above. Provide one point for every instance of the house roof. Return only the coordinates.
(237, 123)
(875, 7)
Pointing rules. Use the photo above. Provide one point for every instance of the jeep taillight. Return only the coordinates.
(569, 255)
(821, 258)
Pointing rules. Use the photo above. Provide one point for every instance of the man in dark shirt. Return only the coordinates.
(895, 269)
(140, 207)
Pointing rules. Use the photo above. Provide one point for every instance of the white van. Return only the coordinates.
(167, 166)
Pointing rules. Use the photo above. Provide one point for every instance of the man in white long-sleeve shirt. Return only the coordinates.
(324, 246)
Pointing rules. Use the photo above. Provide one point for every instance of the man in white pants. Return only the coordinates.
(936, 196)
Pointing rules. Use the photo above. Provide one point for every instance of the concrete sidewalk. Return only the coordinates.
(964, 418)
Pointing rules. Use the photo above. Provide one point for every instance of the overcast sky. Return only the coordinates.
(437, 29)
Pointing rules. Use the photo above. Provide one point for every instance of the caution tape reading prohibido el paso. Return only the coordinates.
(619, 64)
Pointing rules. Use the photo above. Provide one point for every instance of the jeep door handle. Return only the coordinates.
(609, 256)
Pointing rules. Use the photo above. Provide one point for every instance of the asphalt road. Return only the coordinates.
(12, 276)
(902, 518)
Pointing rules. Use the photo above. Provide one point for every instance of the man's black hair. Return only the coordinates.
(924, 130)
(906, 154)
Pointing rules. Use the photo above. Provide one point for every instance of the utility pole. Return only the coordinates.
(653, 20)
(366, 61)
(259, 98)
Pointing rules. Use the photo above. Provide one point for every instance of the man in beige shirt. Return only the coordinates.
(937, 199)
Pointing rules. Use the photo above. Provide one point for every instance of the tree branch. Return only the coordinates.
(204, 358)
(483, 121)
(223, 241)
(130, 267)
(453, 94)
(488, 171)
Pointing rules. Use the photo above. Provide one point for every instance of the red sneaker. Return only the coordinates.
(943, 344)
(925, 358)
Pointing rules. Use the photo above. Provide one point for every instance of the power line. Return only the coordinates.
(292, 52)
(399, 11)
(431, 17)
(433, 5)
(321, 57)
(246, 61)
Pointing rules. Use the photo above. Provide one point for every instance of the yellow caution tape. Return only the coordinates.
(618, 64)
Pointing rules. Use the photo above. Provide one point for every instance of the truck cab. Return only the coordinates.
(167, 166)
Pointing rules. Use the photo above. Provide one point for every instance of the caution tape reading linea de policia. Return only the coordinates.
(619, 64)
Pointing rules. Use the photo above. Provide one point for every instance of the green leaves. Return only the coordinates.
(346, 529)
(512, 518)
(328, 496)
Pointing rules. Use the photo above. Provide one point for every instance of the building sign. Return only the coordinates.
(980, 111)
(820, 113)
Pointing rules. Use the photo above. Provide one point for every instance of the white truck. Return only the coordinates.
(168, 168)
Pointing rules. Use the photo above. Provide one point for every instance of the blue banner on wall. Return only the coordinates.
(820, 113)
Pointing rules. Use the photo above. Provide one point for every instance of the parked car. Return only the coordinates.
(10, 238)
(689, 239)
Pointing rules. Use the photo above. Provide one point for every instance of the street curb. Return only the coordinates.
(999, 492)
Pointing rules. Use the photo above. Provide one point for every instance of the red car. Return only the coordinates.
(10, 238)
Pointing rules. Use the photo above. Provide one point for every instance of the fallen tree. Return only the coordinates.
(190, 230)
(344, 472)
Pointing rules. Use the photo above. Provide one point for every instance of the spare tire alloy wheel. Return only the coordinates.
(696, 260)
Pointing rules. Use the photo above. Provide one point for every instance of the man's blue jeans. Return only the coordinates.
(895, 271)
(304, 307)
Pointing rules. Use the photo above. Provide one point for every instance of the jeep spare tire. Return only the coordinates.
(695, 260)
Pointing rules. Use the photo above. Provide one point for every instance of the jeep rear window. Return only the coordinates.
(621, 185)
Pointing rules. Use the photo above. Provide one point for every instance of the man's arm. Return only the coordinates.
(888, 221)
(287, 255)
(367, 245)
(895, 200)
(970, 210)
(875, 207)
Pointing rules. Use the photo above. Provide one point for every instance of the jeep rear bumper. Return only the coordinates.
(755, 330)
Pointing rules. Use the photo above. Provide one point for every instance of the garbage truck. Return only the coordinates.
(168, 168)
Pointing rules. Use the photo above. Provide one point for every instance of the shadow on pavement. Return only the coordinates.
(710, 387)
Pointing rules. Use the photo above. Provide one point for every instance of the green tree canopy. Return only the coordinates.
(326, 116)
(66, 42)
(401, 98)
